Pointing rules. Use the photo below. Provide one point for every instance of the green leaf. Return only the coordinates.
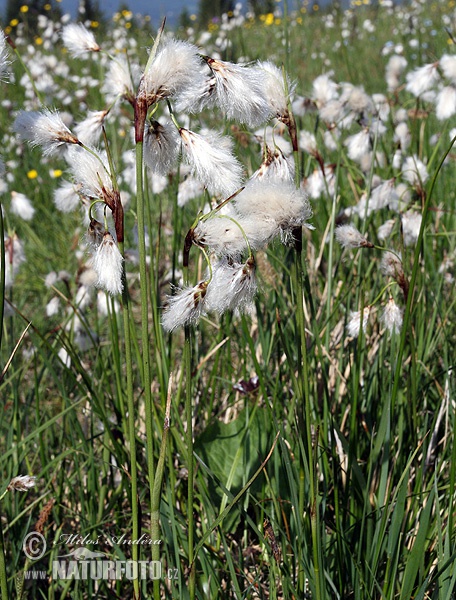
(233, 451)
(416, 555)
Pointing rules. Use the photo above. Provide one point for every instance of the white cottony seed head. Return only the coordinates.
(357, 322)
(276, 167)
(161, 147)
(66, 197)
(276, 207)
(277, 88)
(394, 69)
(95, 233)
(358, 145)
(79, 40)
(4, 60)
(411, 224)
(222, 235)
(189, 188)
(212, 162)
(349, 237)
(89, 130)
(194, 100)
(402, 135)
(107, 263)
(45, 129)
(22, 483)
(186, 307)
(176, 67)
(239, 91)
(422, 79)
(317, 184)
(308, 142)
(21, 206)
(14, 257)
(90, 170)
(448, 65)
(445, 103)
(53, 306)
(119, 81)
(232, 287)
(385, 230)
(324, 89)
(392, 316)
(391, 266)
(414, 171)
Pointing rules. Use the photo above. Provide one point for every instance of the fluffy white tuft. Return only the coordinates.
(356, 322)
(239, 91)
(89, 130)
(233, 286)
(186, 307)
(79, 40)
(22, 206)
(107, 263)
(212, 162)
(422, 79)
(45, 129)
(161, 147)
(175, 68)
(392, 316)
(90, 170)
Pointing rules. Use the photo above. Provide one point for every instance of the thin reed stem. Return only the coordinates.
(161, 350)
(189, 433)
(190, 464)
(3, 577)
(156, 493)
(332, 228)
(144, 292)
(126, 310)
(298, 272)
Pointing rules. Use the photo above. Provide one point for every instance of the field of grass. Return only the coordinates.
(243, 399)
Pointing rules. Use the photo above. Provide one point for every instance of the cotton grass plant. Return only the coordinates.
(228, 319)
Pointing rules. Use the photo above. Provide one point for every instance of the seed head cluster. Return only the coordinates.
(249, 205)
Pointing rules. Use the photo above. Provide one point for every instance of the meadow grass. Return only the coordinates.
(272, 454)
